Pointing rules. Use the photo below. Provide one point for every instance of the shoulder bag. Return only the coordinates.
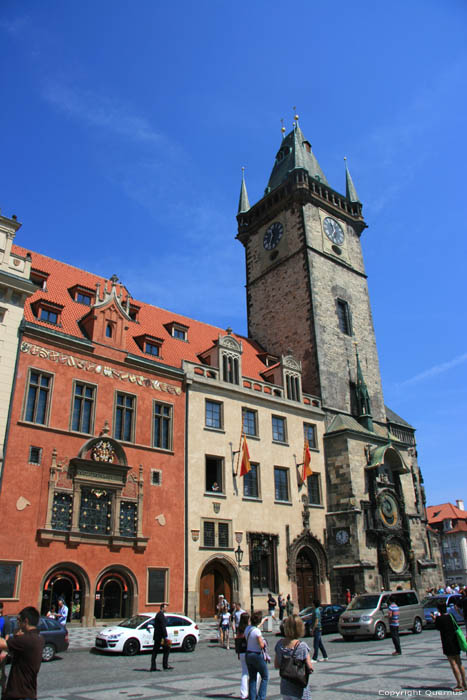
(241, 643)
(293, 669)
(460, 635)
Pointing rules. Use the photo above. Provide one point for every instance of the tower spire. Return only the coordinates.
(243, 204)
(295, 152)
(363, 398)
(350, 191)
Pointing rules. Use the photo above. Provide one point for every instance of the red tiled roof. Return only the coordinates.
(152, 320)
(445, 511)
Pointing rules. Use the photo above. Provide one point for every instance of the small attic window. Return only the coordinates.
(178, 332)
(151, 348)
(83, 298)
(39, 279)
(133, 313)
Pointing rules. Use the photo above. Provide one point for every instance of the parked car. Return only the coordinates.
(136, 634)
(429, 606)
(367, 615)
(55, 635)
(330, 615)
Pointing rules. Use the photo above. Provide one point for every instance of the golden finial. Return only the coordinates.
(282, 128)
(296, 117)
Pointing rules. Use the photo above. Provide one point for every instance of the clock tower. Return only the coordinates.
(307, 293)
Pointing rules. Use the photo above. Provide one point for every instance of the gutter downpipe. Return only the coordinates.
(187, 390)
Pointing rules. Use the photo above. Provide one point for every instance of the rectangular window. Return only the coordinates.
(48, 316)
(293, 387)
(95, 511)
(281, 484)
(62, 510)
(162, 426)
(251, 482)
(263, 562)
(343, 315)
(279, 433)
(157, 585)
(230, 369)
(156, 477)
(9, 579)
(124, 417)
(213, 414)
(250, 422)
(38, 397)
(214, 475)
(179, 333)
(82, 298)
(35, 455)
(309, 434)
(83, 407)
(128, 518)
(216, 534)
(314, 490)
(151, 348)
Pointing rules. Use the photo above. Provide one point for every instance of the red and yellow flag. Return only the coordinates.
(307, 471)
(245, 466)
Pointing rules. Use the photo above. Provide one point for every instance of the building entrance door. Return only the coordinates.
(113, 597)
(307, 585)
(64, 584)
(215, 580)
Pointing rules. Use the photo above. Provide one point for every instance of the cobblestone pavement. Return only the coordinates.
(355, 671)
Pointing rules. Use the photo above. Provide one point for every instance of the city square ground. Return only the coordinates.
(356, 670)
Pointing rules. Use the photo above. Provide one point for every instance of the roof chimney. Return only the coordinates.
(460, 504)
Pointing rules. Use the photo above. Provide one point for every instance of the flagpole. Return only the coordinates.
(239, 451)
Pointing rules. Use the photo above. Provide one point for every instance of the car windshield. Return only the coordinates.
(306, 611)
(134, 622)
(364, 602)
(433, 602)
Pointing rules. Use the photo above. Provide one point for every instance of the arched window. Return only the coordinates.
(108, 330)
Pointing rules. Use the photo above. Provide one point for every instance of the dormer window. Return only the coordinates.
(47, 312)
(133, 312)
(82, 295)
(151, 348)
(48, 316)
(39, 279)
(177, 330)
(83, 298)
(179, 333)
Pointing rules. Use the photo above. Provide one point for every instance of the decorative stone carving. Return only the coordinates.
(22, 503)
(291, 363)
(161, 519)
(306, 539)
(228, 341)
(103, 451)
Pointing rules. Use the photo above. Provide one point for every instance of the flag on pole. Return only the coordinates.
(307, 471)
(245, 466)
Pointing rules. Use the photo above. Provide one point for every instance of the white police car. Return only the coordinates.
(136, 634)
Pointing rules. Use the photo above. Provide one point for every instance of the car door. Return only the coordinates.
(146, 634)
(176, 628)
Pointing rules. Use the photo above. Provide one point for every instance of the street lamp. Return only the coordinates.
(239, 555)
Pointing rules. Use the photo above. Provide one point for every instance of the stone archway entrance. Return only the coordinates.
(215, 580)
(307, 578)
(114, 596)
(63, 582)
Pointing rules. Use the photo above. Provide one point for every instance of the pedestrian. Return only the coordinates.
(62, 615)
(161, 639)
(348, 596)
(4, 634)
(281, 604)
(447, 629)
(289, 605)
(317, 631)
(224, 624)
(52, 612)
(393, 613)
(291, 645)
(255, 660)
(271, 606)
(26, 650)
(239, 636)
(236, 615)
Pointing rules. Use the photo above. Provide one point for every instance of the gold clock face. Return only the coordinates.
(396, 557)
(388, 510)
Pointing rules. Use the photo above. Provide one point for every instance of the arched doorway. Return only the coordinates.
(307, 578)
(64, 583)
(114, 596)
(215, 580)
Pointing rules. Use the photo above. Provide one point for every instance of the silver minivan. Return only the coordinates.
(367, 615)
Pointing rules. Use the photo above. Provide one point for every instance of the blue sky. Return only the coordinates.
(125, 124)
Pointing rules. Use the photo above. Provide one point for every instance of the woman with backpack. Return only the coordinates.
(447, 629)
(292, 648)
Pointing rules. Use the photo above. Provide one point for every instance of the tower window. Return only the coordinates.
(293, 387)
(344, 317)
(230, 372)
(108, 330)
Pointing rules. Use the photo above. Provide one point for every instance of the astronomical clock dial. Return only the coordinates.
(388, 510)
(273, 235)
(333, 230)
(342, 536)
(396, 557)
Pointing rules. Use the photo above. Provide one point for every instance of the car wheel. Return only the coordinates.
(380, 631)
(189, 643)
(131, 647)
(48, 652)
(417, 626)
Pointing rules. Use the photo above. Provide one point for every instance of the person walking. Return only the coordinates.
(348, 596)
(317, 630)
(239, 637)
(161, 638)
(291, 645)
(4, 634)
(26, 649)
(289, 605)
(281, 604)
(254, 658)
(447, 629)
(271, 606)
(224, 625)
(62, 615)
(393, 613)
(236, 615)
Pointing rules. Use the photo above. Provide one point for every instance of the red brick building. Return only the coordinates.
(92, 494)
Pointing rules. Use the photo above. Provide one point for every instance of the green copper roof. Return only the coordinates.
(295, 152)
(345, 422)
(243, 204)
(350, 191)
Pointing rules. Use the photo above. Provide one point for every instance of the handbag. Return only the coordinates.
(241, 643)
(460, 635)
(293, 669)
